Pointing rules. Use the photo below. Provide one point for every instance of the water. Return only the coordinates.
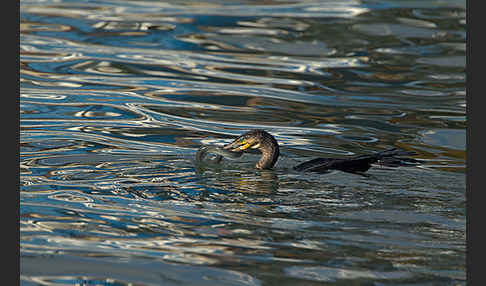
(117, 96)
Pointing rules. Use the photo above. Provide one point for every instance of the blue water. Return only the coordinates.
(117, 96)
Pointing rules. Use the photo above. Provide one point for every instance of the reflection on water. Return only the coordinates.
(117, 96)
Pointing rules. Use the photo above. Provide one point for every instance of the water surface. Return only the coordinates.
(117, 96)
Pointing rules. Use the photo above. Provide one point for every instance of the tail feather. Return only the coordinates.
(392, 158)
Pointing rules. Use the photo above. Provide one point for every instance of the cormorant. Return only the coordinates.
(268, 146)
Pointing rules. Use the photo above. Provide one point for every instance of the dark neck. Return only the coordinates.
(270, 153)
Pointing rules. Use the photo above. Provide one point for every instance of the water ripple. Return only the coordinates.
(117, 96)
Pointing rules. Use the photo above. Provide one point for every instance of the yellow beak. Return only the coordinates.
(243, 147)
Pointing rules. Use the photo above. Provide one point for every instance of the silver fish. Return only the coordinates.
(220, 152)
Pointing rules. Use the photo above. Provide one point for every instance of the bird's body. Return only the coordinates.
(358, 164)
(268, 146)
